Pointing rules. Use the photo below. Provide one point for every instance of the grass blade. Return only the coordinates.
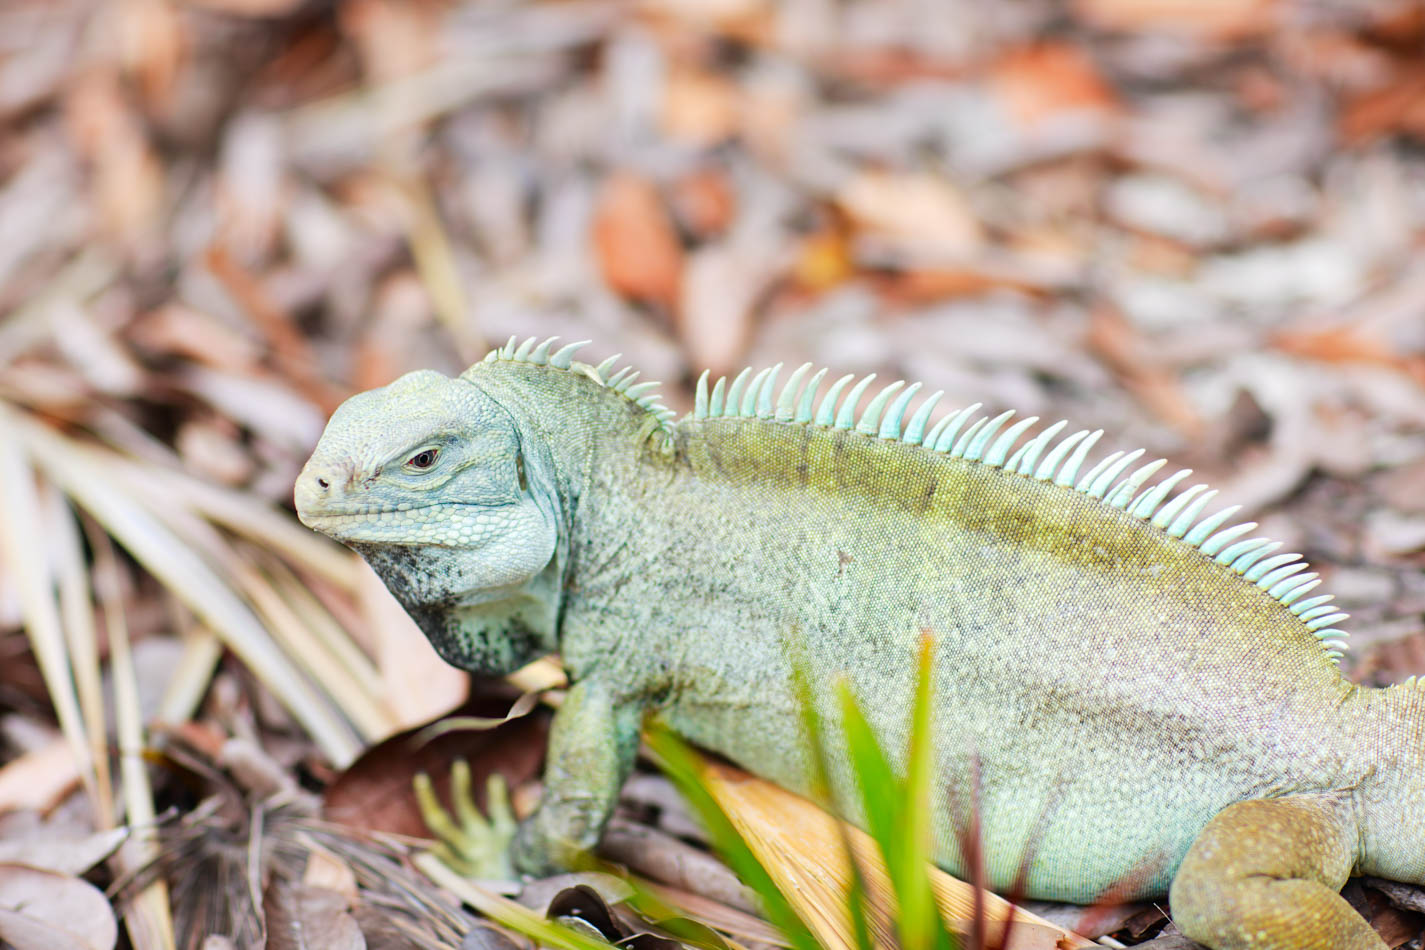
(25, 551)
(682, 765)
(816, 737)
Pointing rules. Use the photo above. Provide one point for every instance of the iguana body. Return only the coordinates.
(1116, 669)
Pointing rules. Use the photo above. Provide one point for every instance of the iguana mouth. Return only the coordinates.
(383, 524)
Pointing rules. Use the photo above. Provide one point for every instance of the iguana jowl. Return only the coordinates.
(1150, 696)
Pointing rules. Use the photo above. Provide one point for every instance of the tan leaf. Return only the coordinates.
(127, 180)
(249, 8)
(916, 208)
(418, 684)
(1040, 81)
(699, 107)
(41, 910)
(1216, 19)
(801, 848)
(40, 778)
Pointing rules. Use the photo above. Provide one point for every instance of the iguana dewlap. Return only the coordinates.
(1149, 696)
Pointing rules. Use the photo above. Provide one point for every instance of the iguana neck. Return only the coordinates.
(1389, 733)
(579, 439)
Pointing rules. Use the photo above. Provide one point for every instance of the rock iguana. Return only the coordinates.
(1150, 696)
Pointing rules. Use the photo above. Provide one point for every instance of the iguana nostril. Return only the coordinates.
(323, 483)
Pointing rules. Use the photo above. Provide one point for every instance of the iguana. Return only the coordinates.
(1150, 696)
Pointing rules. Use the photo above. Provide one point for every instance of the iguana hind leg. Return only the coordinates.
(1265, 875)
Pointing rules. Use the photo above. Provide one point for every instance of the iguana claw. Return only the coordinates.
(469, 843)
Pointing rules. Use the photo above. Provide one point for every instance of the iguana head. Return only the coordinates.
(426, 478)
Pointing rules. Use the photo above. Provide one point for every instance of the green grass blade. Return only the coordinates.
(816, 738)
(898, 810)
(875, 779)
(920, 923)
(680, 764)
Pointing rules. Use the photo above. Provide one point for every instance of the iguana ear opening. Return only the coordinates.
(519, 471)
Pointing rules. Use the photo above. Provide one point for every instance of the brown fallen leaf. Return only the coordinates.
(376, 794)
(1347, 343)
(1396, 106)
(394, 38)
(721, 290)
(304, 917)
(636, 244)
(704, 202)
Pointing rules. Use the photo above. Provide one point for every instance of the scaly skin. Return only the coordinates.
(1136, 710)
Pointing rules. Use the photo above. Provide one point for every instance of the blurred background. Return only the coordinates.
(1197, 225)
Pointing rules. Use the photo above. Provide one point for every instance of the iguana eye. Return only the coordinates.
(423, 459)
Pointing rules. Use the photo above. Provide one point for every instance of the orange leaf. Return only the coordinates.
(637, 247)
(1214, 19)
(1040, 81)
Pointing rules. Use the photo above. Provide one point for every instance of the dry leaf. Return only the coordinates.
(704, 202)
(719, 293)
(920, 209)
(248, 8)
(41, 910)
(801, 848)
(1398, 106)
(376, 792)
(38, 779)
(1037, 82)
(396, 37)
(301, 917)
(1215, 19)
(699, 107)
(127, 177)
(50, 849)
(418, 684)
(636, 245)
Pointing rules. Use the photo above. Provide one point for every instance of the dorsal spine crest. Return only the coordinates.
(1114, 480)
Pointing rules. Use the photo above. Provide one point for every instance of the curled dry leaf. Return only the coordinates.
(42, 910)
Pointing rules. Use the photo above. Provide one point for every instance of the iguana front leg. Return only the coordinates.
(592, 744)
(1265, 875)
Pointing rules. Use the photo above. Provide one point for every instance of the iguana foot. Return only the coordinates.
(469, 843)
(1264, 875)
